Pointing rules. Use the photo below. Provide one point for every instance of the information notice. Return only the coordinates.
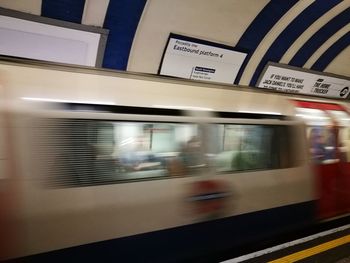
(298, 81)
(194, 60)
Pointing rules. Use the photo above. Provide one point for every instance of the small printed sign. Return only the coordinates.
(297, 81)
(200, 60)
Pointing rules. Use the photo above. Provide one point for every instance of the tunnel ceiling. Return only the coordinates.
(311, 34)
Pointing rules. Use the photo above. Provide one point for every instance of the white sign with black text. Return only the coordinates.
(295, 81)
(192, 60)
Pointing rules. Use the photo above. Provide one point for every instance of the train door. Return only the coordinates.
(342, 120)
(328, 132)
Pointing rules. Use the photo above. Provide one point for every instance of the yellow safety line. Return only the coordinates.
(313, 250)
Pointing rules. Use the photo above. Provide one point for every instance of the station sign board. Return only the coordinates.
(197, 59)
(296, 80)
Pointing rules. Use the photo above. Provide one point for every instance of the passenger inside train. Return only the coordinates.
(317, 145)
(127, 150)
(329, 140)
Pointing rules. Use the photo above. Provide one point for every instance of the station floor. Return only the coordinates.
(331, 246)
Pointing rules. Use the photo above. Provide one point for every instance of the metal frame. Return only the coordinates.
(60, 23)
(279, 65)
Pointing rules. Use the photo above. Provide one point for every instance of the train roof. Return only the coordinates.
(178, 97)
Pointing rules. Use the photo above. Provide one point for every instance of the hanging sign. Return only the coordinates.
(294, 80)
(197, 59)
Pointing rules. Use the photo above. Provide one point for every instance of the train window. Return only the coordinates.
(251, 147)
(342, 133)
(79, 152)
(89, 152)
(286, 147)
(330, 142)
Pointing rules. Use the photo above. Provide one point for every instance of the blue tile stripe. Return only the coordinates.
(67, 10)
(327, 57)
(322, 35)
(260, 26)
(291, 33)
(121, 19)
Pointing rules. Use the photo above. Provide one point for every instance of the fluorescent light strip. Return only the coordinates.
(68, 101)
(312, 117)
(182, 107)
(261, 112)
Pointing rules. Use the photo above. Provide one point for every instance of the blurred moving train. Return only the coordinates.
(98, 164)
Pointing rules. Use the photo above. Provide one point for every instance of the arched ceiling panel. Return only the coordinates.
(319, 37)
(299, 45)
(286, 38)
(121, 19)
(305, 33)
(218, 21)
(331, 52)
(71, 11)
(94, 12)
(326, 45)
(30, 6)
(340, 64)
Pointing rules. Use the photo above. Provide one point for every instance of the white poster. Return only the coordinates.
(192, 60)
(296, 81)
(29, 39)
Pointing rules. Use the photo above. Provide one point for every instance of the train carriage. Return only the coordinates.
(133, 167)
